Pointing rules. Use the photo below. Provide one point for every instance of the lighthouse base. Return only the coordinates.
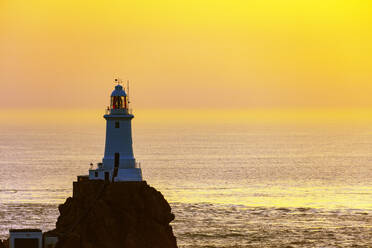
(134, 174)
(122, 175)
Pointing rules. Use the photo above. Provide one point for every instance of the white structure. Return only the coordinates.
(118, 163)
(30, 238)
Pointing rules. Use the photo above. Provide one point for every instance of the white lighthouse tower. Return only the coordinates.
(118, 163)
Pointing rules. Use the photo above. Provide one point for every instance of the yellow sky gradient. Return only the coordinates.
(187, 54)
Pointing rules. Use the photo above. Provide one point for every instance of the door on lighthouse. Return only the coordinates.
(117, 159)
(26, 243)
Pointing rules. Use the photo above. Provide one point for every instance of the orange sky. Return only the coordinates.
(187, 54)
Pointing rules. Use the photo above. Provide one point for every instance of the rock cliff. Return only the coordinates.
(2, 245)
(114, 215)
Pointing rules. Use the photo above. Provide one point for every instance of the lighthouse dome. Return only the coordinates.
(119, 99)
(118, 91)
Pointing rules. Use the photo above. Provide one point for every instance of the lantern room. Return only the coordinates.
(119, 98)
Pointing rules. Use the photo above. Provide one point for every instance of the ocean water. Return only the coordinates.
(229, 185)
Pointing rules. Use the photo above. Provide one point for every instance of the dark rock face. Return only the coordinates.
(4, 243)
(121, 214)
(1, 244)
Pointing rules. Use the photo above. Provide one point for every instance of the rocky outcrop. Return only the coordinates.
(2, 245)
(114, 215)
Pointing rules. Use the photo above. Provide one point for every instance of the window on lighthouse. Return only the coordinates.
(118, 102)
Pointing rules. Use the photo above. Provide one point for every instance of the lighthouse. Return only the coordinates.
(118, 163)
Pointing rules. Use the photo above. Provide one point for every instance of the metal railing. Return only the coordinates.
(100, 165)
(118, 111)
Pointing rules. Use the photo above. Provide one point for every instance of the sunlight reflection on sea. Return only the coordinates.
(229, 185)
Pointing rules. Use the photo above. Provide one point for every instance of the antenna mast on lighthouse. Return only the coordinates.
(128, 92)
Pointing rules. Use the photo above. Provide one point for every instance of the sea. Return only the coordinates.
(230, 184)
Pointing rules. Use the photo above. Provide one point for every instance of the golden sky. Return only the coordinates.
(187, 54)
